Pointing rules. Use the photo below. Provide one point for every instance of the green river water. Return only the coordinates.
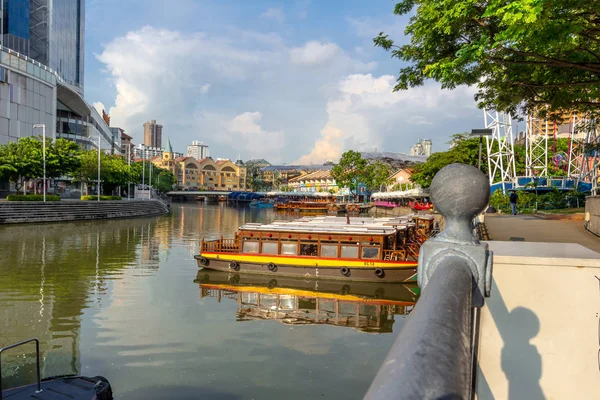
(118, 298)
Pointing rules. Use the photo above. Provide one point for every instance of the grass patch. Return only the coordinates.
(32, 197)
(102, 198)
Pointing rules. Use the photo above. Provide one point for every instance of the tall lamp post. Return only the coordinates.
(99, 145)
(43, 126)
(143, 167)
(150, 166)
(481, 133)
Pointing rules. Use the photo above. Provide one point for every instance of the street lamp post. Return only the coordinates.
(150, 166)
(99, 145)
(43, 126)
(143, 167)
(481, 133)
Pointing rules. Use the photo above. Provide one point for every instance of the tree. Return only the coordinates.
(63, 157)
(377, 174)
(21, 161)
(87, 171)
(522, 54)
(350, 171)
(464, 149)
(163, 180)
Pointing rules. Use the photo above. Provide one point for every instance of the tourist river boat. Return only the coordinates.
(365, 306)
(357, 249)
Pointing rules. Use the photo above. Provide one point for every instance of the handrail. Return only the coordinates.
(37, 356)
(432, 357)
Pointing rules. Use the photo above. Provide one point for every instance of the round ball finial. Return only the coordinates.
(460, 192)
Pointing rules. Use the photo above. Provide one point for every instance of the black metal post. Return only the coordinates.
(37, 360)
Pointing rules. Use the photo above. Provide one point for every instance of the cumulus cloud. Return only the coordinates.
(245, 128)
(314, 53)
(99, 107)
(246, 93)
(365, 114)
(274, 13)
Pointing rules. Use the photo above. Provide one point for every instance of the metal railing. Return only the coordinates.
(433, 356)
(37, 360)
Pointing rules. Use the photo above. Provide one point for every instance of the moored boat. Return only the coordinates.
(261, 203)
(355, 249)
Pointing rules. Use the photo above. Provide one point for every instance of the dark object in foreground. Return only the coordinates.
(68, 387)
(62, 387)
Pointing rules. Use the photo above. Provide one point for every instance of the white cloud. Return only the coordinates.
(246, 93)
(99, 107)
(204, 88)
(366, 114)
(275, 13)
(314, 53)
(245, 129)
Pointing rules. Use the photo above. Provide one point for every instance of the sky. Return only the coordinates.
(294, 81)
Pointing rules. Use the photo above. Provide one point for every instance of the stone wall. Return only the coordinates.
(592, 214)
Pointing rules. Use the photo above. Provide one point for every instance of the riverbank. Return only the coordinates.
(69, 211)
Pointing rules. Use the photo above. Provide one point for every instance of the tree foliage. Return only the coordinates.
(22, 160)
(350, 171)
(522, 54)
(353, 170)
(465, 149)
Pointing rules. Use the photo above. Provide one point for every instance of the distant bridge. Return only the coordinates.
(198, 193)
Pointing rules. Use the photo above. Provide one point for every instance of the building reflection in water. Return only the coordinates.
(51, 274)
(367, 307)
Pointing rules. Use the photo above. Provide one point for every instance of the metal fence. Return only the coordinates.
(433, 356)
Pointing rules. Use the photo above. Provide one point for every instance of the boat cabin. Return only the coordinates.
(329, 237)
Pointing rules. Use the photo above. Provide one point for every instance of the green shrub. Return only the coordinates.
(32, 197)
(102, 198)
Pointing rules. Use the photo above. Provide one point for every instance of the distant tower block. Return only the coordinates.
(421, 148)
(500, 149)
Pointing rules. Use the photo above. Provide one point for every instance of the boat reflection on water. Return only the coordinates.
(367, 307)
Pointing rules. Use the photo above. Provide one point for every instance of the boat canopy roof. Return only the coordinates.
(404, 194)
(336, 225)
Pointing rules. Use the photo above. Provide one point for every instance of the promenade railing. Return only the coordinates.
(434, 354)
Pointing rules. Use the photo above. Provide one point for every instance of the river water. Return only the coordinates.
(122, 299)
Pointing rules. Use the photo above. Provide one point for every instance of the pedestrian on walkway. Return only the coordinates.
(513, 202)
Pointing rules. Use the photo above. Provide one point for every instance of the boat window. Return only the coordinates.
(328, 250)
(289, 248)
(250, 247)
(349, 252)
(370, 252)
(308, 249)
(269, 248)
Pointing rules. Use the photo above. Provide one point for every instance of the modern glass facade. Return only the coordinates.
(67, 40)
(49, 31)
(15, 25)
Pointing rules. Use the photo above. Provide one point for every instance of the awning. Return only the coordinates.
(72, 99)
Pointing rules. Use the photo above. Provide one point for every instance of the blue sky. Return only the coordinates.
(289, 81)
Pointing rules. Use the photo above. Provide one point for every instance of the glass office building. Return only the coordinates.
(49, 31)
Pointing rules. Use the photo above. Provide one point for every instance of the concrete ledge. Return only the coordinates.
(592, 214)
(65, 211)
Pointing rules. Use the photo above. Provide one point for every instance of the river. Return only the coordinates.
(118, 298)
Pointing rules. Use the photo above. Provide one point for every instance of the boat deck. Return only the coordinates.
(78, 388)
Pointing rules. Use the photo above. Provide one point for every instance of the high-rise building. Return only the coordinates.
(421, 148)
(198, 150)
(153, 134)
(50, 32)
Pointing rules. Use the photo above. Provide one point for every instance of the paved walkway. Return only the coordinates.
(534, 229)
